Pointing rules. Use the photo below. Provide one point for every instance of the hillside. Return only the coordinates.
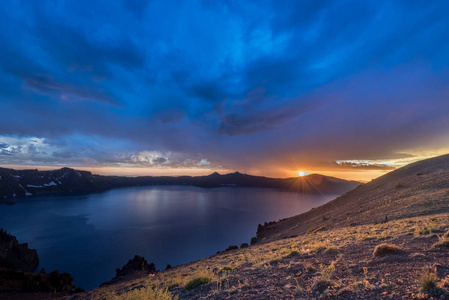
(417, 189)
(21, 183)
(345, 249)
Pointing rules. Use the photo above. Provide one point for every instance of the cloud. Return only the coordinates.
(246, 85)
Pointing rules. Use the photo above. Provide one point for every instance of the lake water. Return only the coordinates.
(90, 236)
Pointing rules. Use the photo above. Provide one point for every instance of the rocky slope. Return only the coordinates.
(20, 183)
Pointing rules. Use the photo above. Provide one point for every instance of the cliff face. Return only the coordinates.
(17, 262)
(16, 256)
(21, 183)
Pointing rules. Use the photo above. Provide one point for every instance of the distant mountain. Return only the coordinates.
(21, 183)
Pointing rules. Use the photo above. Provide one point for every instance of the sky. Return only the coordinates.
(351, 89)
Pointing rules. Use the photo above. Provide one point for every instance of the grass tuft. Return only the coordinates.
(147, 293)
(428, 284)
(196, 282)
(384, 249)
(292, 254)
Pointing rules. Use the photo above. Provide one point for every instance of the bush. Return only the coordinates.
(332, 250)
(291, 254)
(225, 270)
(428, 284)
(384, 249)
(147, 293)
(196, 282)
(232, 247)
(244, 245)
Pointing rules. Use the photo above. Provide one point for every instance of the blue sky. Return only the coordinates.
(265, 87)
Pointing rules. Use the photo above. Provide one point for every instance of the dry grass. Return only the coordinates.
(196, 282)
(147, 293)
(443, 243)
(385, 249)
(428, 285)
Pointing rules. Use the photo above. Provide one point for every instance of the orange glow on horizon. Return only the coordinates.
(358, 175)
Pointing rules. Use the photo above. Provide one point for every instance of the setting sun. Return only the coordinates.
(302, 173)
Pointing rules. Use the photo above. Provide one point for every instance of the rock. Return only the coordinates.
(53, 282)
(16, 256)
(232, 247)
(136, 264)
(244, 245)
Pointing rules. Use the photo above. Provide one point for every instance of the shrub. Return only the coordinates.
(232, 247)
(384, 249)
(422, 230)
(427, 282)
(196, 282)
(225, 270)
(173, 285)
(147, 293)
(244, 245)
(291, 254)
(327, 272)
(332, 250)
(318, 247)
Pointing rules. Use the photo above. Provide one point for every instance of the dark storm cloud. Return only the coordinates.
(280, 81)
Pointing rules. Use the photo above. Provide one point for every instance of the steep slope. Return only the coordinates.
(420, 188)
(20, 183)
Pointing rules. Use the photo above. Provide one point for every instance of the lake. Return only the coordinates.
(89, 236)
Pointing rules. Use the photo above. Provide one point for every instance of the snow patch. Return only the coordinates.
(26, 192)
(41, 186)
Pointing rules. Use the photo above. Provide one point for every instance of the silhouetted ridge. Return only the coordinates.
(20, 183)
